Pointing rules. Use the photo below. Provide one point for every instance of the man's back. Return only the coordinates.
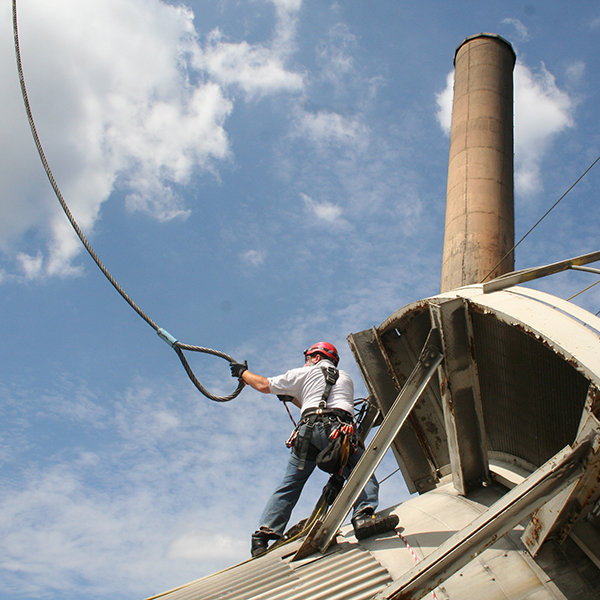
(307, 385)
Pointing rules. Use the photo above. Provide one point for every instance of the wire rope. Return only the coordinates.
(176, 345)
(541, 219)
(388, 476)
(583, 290)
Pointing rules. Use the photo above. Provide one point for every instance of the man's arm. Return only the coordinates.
(258, 382)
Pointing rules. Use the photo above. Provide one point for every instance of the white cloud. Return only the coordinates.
(209, 545)
(287, 5)
(335, 57)
(156, 505)
(255, 68)
(444, 103)
(542, 110)
(575, 72)
(254, 258)
(325, 212)
(30, 265)
(285, 29)
(325, 128)
(522, 34)
(129, 112)
(114, 106)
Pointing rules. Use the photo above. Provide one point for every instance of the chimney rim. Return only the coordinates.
(486, 35)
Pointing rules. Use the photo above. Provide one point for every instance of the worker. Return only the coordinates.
(322, 401)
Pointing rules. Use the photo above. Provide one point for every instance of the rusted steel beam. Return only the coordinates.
(547, 481)
(459, 381)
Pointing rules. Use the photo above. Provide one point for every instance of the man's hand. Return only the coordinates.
(238, 368)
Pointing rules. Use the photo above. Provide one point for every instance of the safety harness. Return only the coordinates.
(301, 442)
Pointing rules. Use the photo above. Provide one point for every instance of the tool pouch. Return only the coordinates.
(330, 458)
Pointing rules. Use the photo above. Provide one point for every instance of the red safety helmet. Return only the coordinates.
(325, 348)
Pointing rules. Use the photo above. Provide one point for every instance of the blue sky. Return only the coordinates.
(258, 175)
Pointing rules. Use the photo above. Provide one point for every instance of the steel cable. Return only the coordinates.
(177, 346)
(541, 218)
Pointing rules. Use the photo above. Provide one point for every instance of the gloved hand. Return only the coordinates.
(238, 368)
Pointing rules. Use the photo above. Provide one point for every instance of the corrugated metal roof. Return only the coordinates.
(346, 572)
(361, 571)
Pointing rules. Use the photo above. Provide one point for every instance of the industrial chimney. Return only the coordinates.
(480, 199)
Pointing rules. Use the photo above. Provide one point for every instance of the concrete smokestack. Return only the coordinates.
(480, 194)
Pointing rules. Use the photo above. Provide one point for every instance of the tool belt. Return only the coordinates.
(335, 421)
(336, 413)
(339, 428)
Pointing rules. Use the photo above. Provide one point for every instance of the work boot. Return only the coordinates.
(366, 523)
(260, 540)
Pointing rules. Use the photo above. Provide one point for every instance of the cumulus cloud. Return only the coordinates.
(325, 128)
(255, 68)
(202, 546)
(542, 110)
(444, 103)
(287, 6)
(130, 514)
(114, 108)
(336, 58)
(134, 103)
(575, 72)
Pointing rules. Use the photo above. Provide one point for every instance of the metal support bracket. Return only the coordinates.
(543, 484)
(516, 277)
(459, 381)
(557, 517)
(324, 530)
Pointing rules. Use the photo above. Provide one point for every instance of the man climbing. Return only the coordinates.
(325, 396)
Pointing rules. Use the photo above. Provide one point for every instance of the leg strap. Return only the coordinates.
(303, 441)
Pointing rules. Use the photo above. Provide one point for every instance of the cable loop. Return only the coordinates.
(161, 332)
(179, 350)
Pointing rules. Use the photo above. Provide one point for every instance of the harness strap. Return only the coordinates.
(303, 442)
(331, 376)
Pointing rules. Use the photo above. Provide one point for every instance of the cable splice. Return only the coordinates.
(163, 334)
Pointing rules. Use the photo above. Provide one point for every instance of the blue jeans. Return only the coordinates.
(279, 508)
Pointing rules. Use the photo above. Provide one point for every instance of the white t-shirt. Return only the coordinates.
(307, 384)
